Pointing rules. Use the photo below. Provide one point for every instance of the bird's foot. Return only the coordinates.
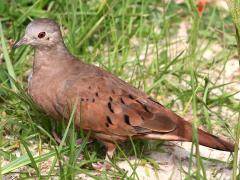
(101, 166)
(79, 141)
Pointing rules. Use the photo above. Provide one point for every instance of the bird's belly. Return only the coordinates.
(109, 137)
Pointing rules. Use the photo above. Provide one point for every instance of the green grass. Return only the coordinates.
(136, 40)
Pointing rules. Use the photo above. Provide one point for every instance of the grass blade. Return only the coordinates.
(33, 163)
(8, 62)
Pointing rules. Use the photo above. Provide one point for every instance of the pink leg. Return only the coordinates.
(110, 151)
(58, 139)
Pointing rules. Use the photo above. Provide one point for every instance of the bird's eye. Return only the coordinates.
(41, 35)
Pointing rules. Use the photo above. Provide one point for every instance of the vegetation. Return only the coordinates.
(169, 50)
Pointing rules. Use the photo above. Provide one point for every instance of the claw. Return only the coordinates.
(101, 166)
(79, 141)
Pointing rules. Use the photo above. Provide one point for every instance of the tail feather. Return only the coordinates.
(184, 132)
(215, 142)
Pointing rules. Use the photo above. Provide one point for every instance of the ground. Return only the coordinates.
(186, 59)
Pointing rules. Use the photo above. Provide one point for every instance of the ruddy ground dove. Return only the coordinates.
(109, 108)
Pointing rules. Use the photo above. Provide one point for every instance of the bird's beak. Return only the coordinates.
(21, 42)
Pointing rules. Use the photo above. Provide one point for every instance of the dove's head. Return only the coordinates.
(41, 33)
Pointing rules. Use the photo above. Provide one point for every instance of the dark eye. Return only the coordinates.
(41, 35)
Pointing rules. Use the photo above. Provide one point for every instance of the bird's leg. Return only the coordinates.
(111, 147)
(59, 140)
(110, 152)
(57, 137)
(54, 133)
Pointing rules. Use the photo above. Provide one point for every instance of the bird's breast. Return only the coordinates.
(29, 82)
(42, 88)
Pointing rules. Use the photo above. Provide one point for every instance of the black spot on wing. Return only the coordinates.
(122, 101)
(130, 96)
(144, 106)
(153, 100)
(109, 120)
(110, 107)
(142, 117)
(126, 119)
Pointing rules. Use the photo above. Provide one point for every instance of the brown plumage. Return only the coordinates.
(108, 107)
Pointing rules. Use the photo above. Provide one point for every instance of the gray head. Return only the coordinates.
(41, 33)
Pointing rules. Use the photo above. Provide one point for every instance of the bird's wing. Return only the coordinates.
(110, 105)
(114, 110)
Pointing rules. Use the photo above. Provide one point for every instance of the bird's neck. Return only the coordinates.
(50, 57)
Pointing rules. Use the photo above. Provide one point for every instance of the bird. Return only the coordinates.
(110, 109)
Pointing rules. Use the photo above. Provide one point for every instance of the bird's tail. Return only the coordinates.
(215, 142)
(184, 132)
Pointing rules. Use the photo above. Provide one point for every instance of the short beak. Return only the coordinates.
(21, 42)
